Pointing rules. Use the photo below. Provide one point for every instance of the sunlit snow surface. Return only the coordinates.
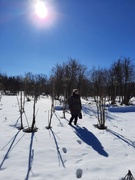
(65, 152)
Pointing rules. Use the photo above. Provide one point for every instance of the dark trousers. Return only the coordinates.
(73, 116)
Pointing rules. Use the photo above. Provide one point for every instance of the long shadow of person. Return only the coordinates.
(90, 139)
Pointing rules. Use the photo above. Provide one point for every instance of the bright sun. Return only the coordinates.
(41, 9)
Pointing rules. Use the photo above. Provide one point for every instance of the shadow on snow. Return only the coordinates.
(89, 111)
(31, 157)
(121, 137)
(58, 151)
(90, 139)
(11, 145)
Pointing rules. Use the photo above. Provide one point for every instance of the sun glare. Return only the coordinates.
(41, 9)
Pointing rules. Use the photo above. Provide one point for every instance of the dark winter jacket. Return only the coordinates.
(75, 105)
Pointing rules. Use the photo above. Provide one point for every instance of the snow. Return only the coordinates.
(65, 152)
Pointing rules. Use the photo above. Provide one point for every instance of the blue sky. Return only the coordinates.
(95, 32)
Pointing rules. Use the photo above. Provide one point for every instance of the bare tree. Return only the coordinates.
(100, 88)
(123, 75)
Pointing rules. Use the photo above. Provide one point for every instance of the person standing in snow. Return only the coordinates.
(75, 106)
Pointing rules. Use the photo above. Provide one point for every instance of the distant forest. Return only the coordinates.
(116, 81)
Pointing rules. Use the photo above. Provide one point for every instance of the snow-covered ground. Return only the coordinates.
(65, 152)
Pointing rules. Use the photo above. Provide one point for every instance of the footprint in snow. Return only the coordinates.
(79, 173)
(78, 161)
(84, 154)
(79, 141)
(64, 150)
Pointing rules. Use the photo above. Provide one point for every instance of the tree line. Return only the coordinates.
(116, 81)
